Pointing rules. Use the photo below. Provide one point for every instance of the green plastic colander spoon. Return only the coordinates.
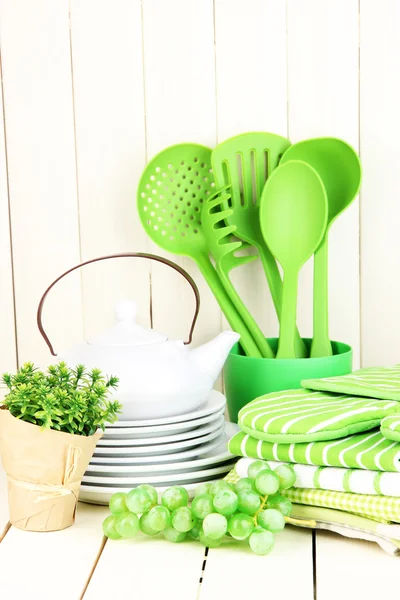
(171, 193)
(244, 162)
(222, 247)
(293, 217)
(339, 167)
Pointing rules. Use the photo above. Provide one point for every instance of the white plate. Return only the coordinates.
(201, 451)
(157, 448)
(170, 478)
(165, 439)
(101, 495)
(159, 430)
(216, 456)
(215, 403)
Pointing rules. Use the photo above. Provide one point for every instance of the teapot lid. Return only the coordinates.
(127, 332)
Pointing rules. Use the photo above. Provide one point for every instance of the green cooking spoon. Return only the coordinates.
(293, 218)
(244, 162)
(171, 193)
(339, 167)
(223, 248)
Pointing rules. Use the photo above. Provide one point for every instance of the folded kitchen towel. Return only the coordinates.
(358, 481)
(295, 416)
(374, 382)
(390, 427)
(368, 450)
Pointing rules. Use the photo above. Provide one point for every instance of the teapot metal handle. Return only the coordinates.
(164, 261)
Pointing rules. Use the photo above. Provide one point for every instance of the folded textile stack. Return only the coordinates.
(342, 436)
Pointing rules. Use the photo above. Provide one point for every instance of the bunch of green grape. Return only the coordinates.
(251, 509)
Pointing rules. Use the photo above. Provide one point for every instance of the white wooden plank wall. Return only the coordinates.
(92, 89)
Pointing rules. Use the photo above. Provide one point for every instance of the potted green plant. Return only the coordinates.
(50, 423)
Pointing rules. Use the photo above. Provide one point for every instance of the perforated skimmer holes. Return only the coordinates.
(173, 197)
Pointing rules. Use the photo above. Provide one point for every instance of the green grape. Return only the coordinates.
(261, 541)
(127, 524)
(152, 492)
(240, 526)
(281, 503)
(158, 518)
(196, 530)
(271, 519)
(244, 484)
(215, 526)
(175, 497)
(248, 502)
(209, 542)
(225, 502)
(118, 503)
(286, 475)
(109, 528)
(202, 506)
(218, 486)
(138, 501)
(267, 482)
(172, 535)
(255, 467)
(202, 488)
(144, 525)
(182, 519)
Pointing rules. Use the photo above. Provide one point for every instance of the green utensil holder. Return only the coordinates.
(247, 378)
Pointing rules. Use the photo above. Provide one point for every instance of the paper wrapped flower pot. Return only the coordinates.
(44, 470)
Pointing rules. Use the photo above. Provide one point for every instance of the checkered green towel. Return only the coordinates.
(361, 451)
(307, 416)
(375, 382)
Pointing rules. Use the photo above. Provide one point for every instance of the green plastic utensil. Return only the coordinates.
(244, 162)
(339, 167)
(219, 241)
(293, 217)
(171, 193)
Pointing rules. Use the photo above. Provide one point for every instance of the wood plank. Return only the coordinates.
(380, 155)
(110, 138)
(250, 43)
(41, 168)
(69, 556)
(8, 350)
(353, 568)
(233, 571)
(323, 100)
(179, 76)
(153, 568)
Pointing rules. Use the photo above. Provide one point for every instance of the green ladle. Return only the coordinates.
(171, 192)
(339, 167)
(293, 218)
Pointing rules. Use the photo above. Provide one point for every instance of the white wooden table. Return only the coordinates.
(79, 563)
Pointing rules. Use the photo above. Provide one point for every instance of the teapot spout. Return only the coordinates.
(210, 357)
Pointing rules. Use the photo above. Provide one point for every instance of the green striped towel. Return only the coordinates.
(361, 451)
(390, 427)
(374, 382)
(337, 479)
(306, 416)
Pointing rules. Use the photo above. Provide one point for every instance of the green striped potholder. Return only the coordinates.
(374, 382)
(306, 416)
(390, 427)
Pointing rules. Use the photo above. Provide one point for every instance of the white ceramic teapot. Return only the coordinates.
(157, 377)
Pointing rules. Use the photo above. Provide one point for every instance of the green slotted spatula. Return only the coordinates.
(245, 162)
(171, 192)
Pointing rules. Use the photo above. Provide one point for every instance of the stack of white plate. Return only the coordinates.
(182, 450)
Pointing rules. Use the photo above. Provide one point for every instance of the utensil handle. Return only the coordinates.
(275, 285)
(321, 345)
(286, 348)
(165, 261)
(230, 312)
(253, 328)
